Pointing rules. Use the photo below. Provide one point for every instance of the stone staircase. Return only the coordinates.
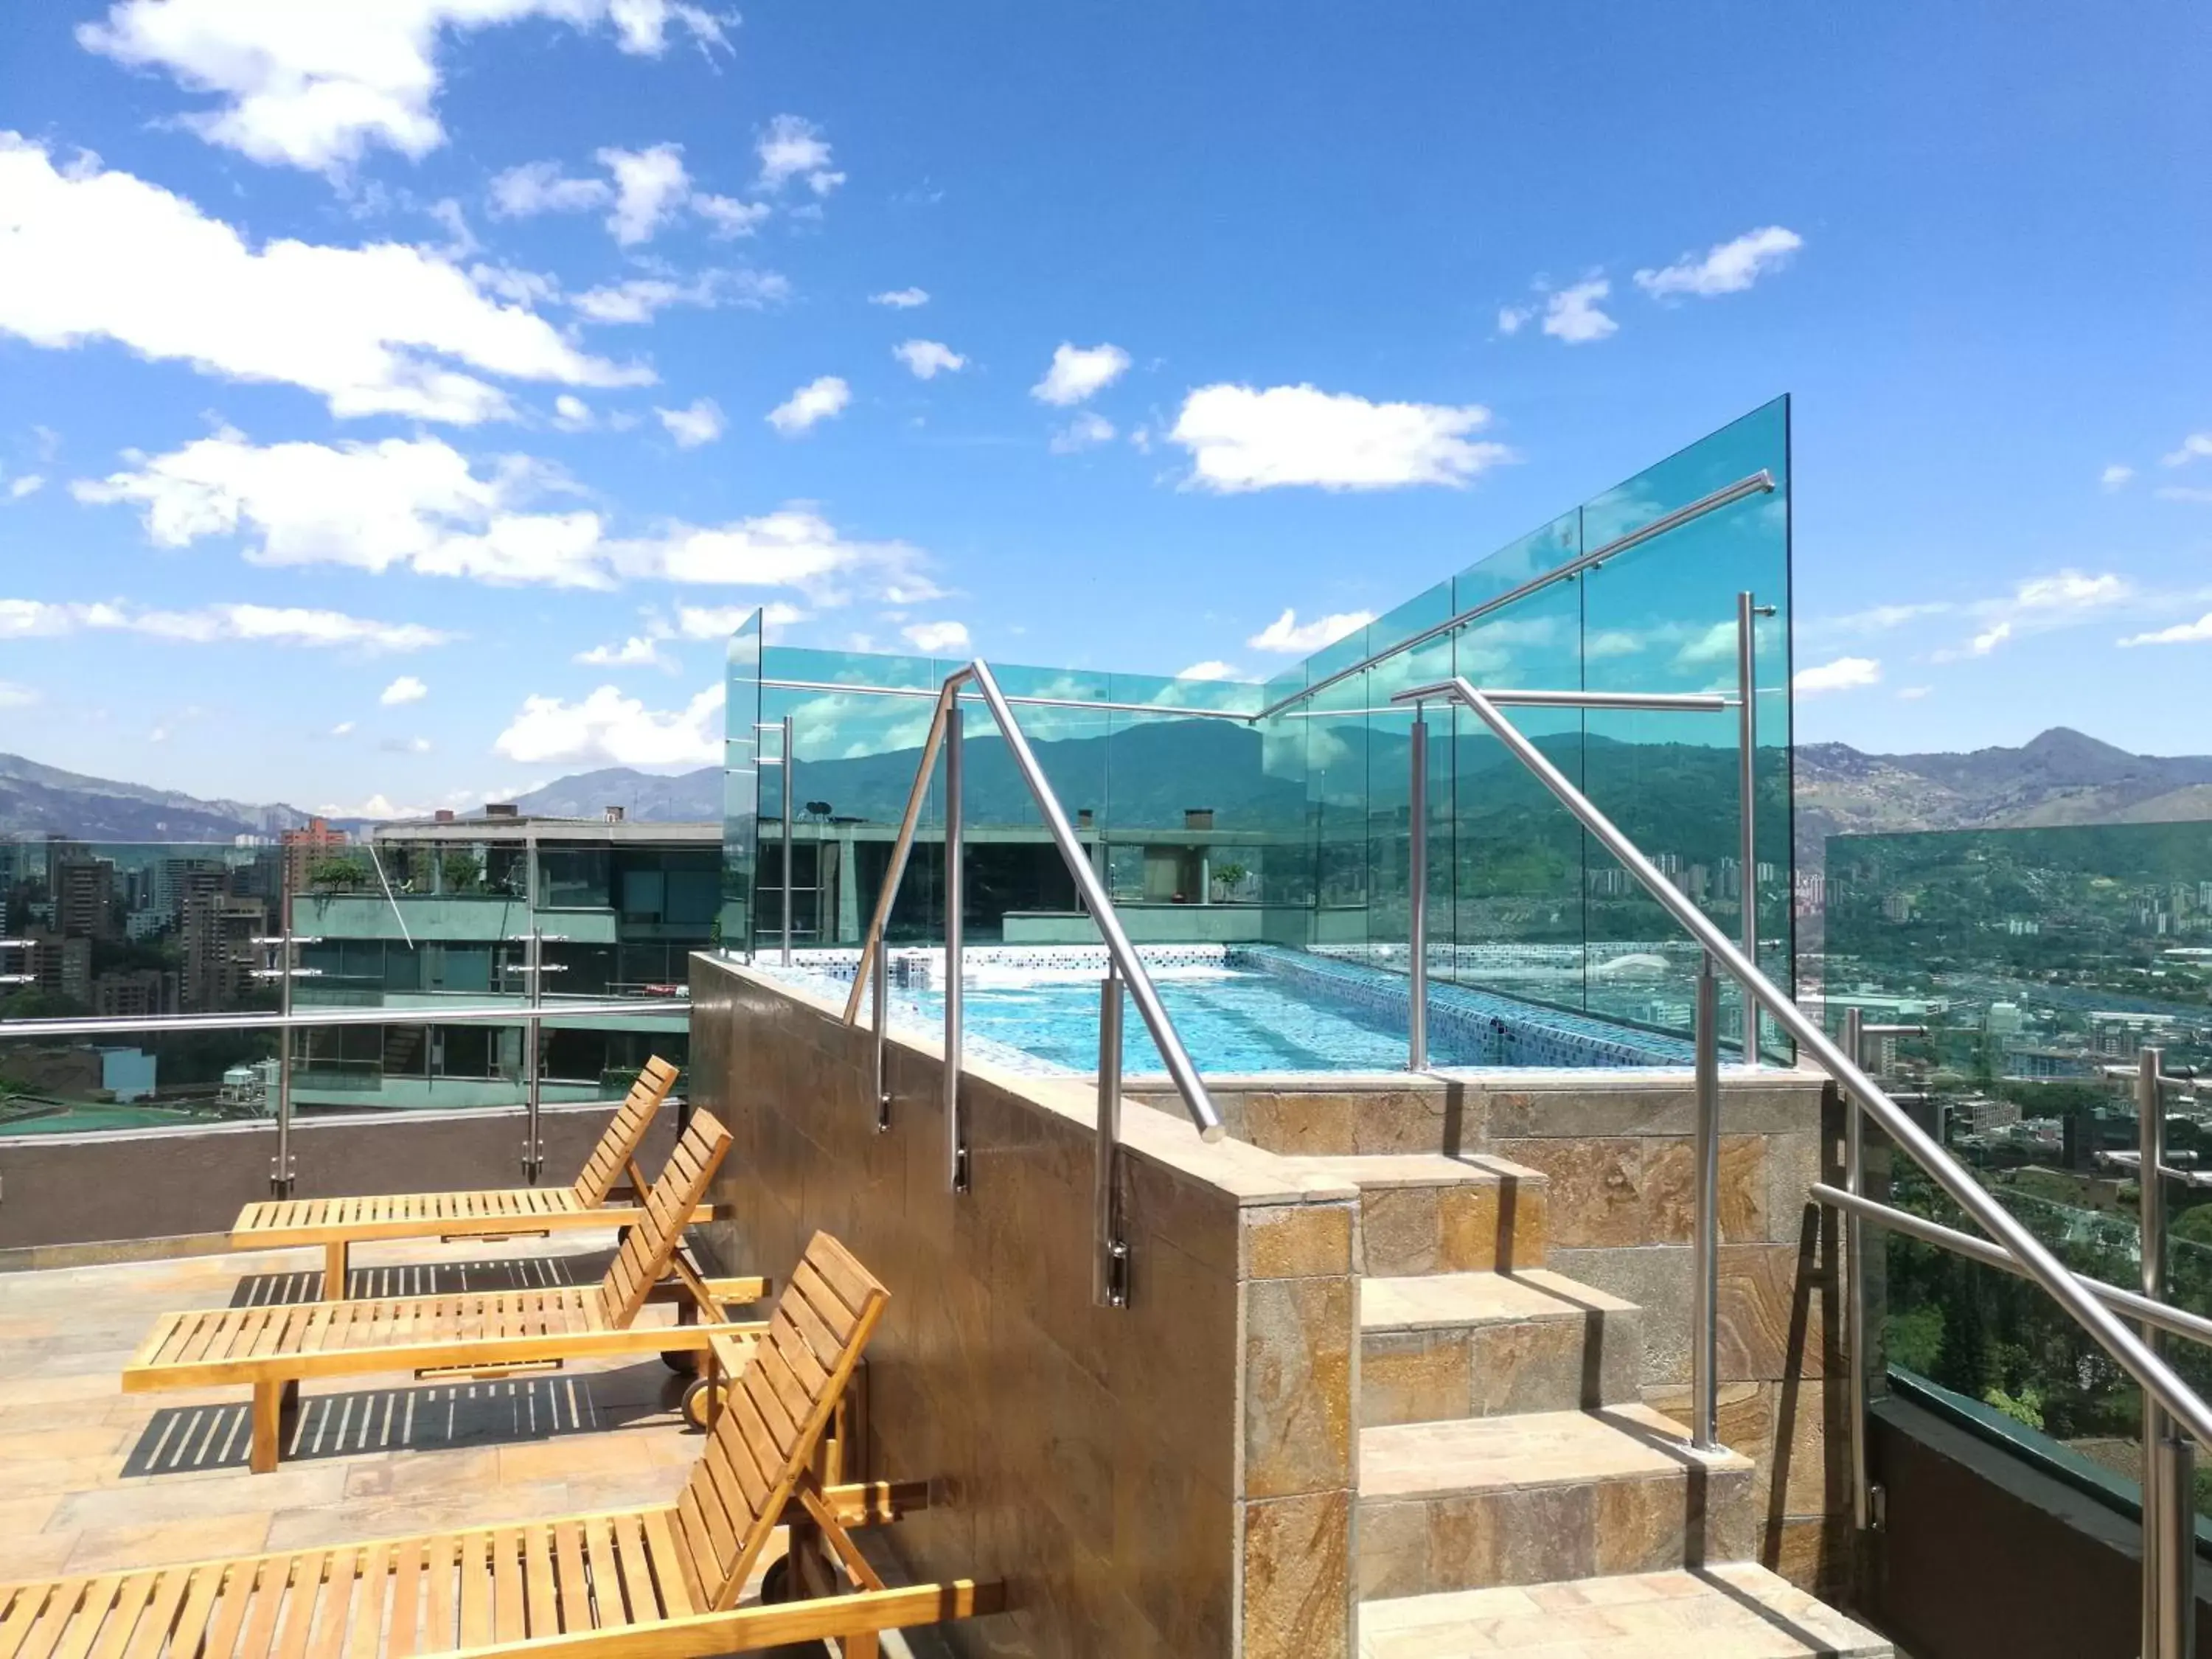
(1516, 1495)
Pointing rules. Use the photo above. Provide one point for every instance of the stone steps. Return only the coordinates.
(1439, 1347)
(1542, 1495)
(1738, 1611)
(1425, 1212)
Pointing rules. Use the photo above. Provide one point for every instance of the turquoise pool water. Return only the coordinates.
(1239, 1009)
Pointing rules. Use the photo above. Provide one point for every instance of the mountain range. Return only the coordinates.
(2061, 777)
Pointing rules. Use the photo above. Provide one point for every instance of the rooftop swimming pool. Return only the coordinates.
(1241, 1010)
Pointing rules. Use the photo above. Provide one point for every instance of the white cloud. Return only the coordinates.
(1076, 372)
(2179, 492)
(794, 547)
(316, 85)
(405, 689)
(638, 650)
(2039, 605)
(13, 695)
(29, 484)
(1572, 314)
(409, 502)
(1511, 319)
(1726, 267)
(2196, 445)
(793, 148)
(901, 299)
(209, 624)
(1912, 692)
(1240, 438)
(651, 187)
(1881, 618)
(609, 729)
(572, 413)
(817, 400)
(101, 255)
(928, 358)
(1211, 669)
(1844, 674)
(938, 637)
(417, 503)
(637, 299)
(1287, 634)
(535, 187)
(1087, 428)
(406, 745)
(2115, 475)
(729, 216)
(2194, 633)
(702, 423)
(719, 622)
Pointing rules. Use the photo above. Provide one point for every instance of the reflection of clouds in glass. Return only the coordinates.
(848, 726)
(1611, 642)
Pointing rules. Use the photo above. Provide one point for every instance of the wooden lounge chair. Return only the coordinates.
(474, 1333)
(658, 1582)
(338, 1224)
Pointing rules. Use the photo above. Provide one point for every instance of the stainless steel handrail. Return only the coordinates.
(2179, 1321)
(2131, 1353)
(1761, 483)
(1092, 892)
(270, 1019)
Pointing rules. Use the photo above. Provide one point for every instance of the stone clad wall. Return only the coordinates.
(1175, 1478)
(1618, 1154)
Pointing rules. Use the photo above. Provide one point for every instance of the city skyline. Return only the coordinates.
(412, 438)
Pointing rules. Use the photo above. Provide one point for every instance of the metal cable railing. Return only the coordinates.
(1124, 968)
(2167, 1506)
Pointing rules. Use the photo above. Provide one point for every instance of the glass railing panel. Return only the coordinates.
(409, 923)
(1389, 803)
(1661, 617)
(1519, 858)
(741, 798)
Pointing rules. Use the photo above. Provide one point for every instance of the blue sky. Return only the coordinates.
(381, 364)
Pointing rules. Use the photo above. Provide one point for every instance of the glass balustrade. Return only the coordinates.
(424, 918)
(1291, 827)
(2034, 966)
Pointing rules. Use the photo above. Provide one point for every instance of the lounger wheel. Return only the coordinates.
(698, 1402)
(775, 1583)
(684, 1362)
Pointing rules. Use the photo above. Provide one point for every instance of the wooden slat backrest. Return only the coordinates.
(651, 1239)
(774, 1415)
(625, 1133)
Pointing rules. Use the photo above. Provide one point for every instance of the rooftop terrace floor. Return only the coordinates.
(92, 1478)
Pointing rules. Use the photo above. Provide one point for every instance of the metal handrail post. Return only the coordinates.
(880, 980)
(1855, 1311)
(1092, 891)
(1746, 670)
(956, 1144)
(790, 792)
(917, 796)
(2168, 1503)
(2064, 1287)
(1417, 879)
(1110, 1256)
(280, 1169)
(1704, 1288)
(533, 1038)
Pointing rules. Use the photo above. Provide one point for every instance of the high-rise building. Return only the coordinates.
(219, 928)
(134, 993)
(303, 847)
(83, 893)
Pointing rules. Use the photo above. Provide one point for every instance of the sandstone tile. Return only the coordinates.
(1296, 1240)
(109, 1549)
(1297, 1377)
(1298, 1590)
(1413, 1377)
(1393, 1550)
(1302, 1122)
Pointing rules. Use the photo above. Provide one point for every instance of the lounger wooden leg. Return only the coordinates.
(335, 1269)
(268, 1419)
